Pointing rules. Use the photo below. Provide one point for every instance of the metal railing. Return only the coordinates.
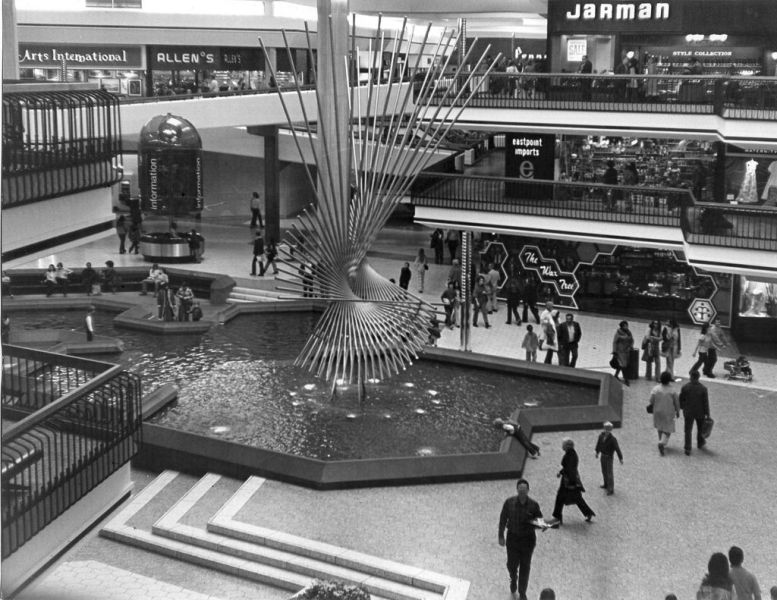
(731, 226)
(732, 97)
(57, 143)
(69, 424)
(571, 200)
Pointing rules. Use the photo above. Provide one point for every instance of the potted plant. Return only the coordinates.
(331, 590)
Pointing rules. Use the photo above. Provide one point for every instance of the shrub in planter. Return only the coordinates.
(331, 590)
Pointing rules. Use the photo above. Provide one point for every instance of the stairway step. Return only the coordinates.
(255, 291)
(170, 526)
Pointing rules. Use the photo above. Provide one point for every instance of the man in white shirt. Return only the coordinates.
(745, 582)
(155, 276)
(89, 324)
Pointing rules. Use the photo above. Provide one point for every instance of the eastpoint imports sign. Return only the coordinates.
(529, 156)
(567, 16)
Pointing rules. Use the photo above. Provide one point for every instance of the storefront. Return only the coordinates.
(117, 69)
(623, 281)
(725, 41)
(755, 314)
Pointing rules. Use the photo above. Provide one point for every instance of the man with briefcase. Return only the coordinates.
(695, 403)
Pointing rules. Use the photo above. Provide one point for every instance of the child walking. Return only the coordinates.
(530, 343)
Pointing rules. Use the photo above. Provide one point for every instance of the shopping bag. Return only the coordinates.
(706, 428)
(96, 289)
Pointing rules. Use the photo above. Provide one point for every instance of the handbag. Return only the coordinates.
(614, 362)
(649, 408)
(426, 267)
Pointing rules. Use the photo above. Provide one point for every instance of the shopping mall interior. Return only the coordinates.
(245, 342)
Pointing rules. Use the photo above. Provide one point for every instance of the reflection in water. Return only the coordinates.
(238, 382)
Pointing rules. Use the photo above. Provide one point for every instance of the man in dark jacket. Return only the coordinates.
(404, 276)
(696, 407)
(513, 291)
(607, 446)
(258, 244)
(517, 515)
(569, 335)
(529, 296)
(89, 277)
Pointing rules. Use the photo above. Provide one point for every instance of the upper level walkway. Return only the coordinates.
(730, 109)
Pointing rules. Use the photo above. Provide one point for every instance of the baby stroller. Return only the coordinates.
(738, 369)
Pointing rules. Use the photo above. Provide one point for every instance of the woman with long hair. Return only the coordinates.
(670, 344)
(651, 350)
(717, 584)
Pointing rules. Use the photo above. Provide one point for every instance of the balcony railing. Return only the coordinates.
(731, 97)
(706, 223)
(68, 424)
(584, 201)
(57, 143)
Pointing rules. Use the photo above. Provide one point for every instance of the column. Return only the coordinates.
(272, 181)
(10, 41)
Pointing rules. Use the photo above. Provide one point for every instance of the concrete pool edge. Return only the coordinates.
(167, 448)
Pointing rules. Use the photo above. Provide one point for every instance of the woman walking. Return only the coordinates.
(570, 490)
(717, 583)
(665, 406)
(670, 344)
(480, 301)
(121, 231)
(622, 344)
(703, 345)
(651, 350)
(420, 267)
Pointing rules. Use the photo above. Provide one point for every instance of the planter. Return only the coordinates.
(331, 590)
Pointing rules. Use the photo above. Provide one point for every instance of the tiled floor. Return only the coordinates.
(653, 536)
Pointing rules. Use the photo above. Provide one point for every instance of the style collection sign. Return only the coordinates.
(87, 57)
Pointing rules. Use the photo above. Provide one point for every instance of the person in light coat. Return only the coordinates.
(666, 408)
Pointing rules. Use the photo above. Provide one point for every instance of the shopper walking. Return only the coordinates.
(420, 267)
(256, 211)
(570, 489)
(134, 238)
(651, 350)
(258, 248)
(492, 285)
(121, 231)
(671, 344)
(549, 335)
(452, 240)
(454, 274)
(480, 301)
(569, 335)
(607, 446)
(404, 276)
(694, 400)
(516, 518)
(270, 254)
(718, 343)
(438, 245)
(513, 293)
(665, 406)
(703, 344)
(622, 344)
(745, 583)
(529, 295)
(448, 298)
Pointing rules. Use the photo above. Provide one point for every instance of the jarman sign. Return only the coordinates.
(629, 11)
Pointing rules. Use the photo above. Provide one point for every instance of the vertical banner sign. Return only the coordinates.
(171, 181)
(549, 273)
(529, 156)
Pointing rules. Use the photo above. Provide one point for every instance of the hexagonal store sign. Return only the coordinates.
(702, 311)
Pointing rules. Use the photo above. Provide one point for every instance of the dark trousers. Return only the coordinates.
(524, 441)
(478, 309)
(607, 472)
(530, 306)
(122, 241)
(579, 501)
(448, 315)
(452, 246)
(134, 244)
(89, 334)
(256, 216)
(438, 254)
(548, 357)
(519, 553)
(512, 311)
(702, 360)
(689, 421)
(62, 283)
(184, 308)
(567, 355)
(712, 358)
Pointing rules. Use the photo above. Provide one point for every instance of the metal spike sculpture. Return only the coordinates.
(371, 327)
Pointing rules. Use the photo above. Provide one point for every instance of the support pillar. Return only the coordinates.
(272, 181)
(10, 41)
(466, 290)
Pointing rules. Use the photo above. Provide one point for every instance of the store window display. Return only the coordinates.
(757, 299)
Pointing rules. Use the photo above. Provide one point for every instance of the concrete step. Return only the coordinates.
(259, 554)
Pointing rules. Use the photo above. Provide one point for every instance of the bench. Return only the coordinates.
(215, 288)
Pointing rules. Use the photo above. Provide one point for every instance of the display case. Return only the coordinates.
(755, 312)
